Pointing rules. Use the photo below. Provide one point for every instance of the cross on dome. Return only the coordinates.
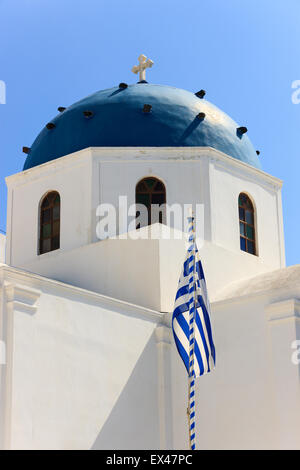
(144, 64)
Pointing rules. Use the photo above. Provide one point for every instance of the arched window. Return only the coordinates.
(151, 191)
(50, 222)
(247, 224)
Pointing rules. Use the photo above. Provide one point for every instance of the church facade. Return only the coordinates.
(90, 357)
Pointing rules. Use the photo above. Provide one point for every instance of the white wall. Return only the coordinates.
(191, 176)
(252, 399)
(73, 182)
(2, 247)
(84, 371)
(144, 272)
(226, 185)
(184, 180)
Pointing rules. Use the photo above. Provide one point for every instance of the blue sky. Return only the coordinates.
(245, 54)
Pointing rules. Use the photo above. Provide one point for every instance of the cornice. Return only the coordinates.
(176, 154)
(20, 297)
(282, 310)
(16, 284)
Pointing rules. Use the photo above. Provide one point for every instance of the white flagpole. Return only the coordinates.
(191, 377)
(189, 318)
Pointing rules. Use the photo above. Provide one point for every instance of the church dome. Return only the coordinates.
(118, 117)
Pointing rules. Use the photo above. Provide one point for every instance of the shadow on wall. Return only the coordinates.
(134, 420)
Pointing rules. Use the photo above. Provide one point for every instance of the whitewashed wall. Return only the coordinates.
(84, 371)
(73, 182)
(81, 369)
(144, 272)
(95, 176)
(2, 247)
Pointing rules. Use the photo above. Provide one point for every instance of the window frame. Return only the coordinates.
(54, 245)
(247, 206)
(151, 192)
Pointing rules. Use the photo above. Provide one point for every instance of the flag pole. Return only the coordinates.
(188, 412)
(191, 375)
(191, 324)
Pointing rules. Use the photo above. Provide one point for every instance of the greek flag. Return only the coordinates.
(191, 323)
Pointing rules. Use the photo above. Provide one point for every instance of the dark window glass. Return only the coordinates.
(159, 187)
(50, 223)
(46, 245)
(143, 199)
(249, 217)
(243, 244)
(158, 198)
(150, 182)
(141, 187)
(56, 212)
(151, 191)
(251, 248)
(242, 228)
(249, 232)
(46, 231)
(55, 243)
(45, 203)
(56, 228)
(47, 215)
(247, 228)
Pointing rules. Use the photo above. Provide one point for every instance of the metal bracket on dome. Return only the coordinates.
(147, 108)
(200, 94)
(88, 114)
(241, 130)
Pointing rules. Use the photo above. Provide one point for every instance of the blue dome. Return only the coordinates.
(118, 120)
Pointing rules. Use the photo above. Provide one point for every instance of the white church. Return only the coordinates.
(90, 359)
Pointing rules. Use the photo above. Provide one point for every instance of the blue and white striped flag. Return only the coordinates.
(191, 326)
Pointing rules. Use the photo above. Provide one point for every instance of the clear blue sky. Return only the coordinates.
(244, 53)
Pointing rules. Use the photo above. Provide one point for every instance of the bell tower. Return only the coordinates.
(105, 147)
